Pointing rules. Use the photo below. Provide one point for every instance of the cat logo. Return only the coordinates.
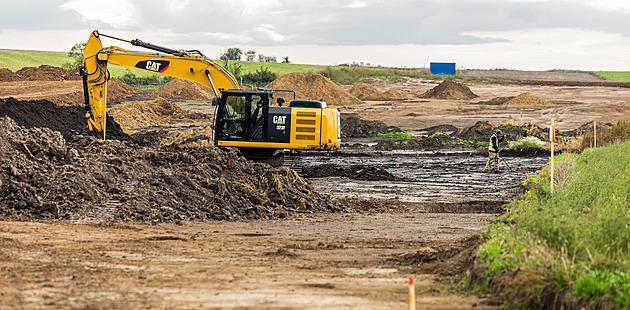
(153, 65)
(279, 119)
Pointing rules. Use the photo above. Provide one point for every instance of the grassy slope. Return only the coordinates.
(15, 60)
(615, 75)
(575, 241)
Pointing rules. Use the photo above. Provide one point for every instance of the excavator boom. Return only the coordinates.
(182, 64)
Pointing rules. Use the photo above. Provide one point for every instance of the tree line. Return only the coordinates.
(235, 53)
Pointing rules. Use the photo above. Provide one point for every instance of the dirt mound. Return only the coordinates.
(200, 136)
(365, 173)
(587, 128)
(444, 128)
(393, 94)
(527, 99)
(46, 73)
(89, 180)
(313, 87)
(496, 101)
(183, 89)
(352, 126)
(366, 92)
(141, 114)
(118, 90)
(471, 133)
(7, 75)
(449, 90)
(68, 120)
(535, 131)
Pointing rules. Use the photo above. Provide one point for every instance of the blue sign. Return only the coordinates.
(443, 68)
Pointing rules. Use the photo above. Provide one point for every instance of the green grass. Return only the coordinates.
(279, 68)
(576, 240)
(623, 76)
(15, 60)
(391, 134)
(526, 142)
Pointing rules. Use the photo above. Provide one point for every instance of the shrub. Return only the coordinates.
(153, 79)
(527, 142)
(260, 77)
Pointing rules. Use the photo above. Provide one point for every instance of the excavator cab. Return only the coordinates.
(241, 115)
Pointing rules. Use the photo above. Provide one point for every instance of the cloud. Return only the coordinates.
(268, 31)
(357, 26)
(115, 13)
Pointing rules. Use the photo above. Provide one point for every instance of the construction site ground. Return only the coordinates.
(400, 213)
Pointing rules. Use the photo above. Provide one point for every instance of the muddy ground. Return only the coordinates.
(341, 230)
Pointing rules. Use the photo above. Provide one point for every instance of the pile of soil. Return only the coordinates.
(200, 136)
(534, 130)
(7, 75)
(510, 128)
(67, 120)
(393, 94)
(496, 101)
(444, 128)
(45, 176)
(527, 99)
(313, 87)
(449, 90)
(183, 89)
(364, 173)
(47, 73)
(118, 90)
(352, 126)
(366, 92)
(587, 128)
(141, 114)
(471, 133)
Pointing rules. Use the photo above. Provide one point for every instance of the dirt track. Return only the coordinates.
(320, 262)
(408, 212)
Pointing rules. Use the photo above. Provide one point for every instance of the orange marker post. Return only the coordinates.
(412, 294)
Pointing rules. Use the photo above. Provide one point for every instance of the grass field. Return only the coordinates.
(615, 75)
(14, 60)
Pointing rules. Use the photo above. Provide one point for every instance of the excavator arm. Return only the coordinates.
(190, 65)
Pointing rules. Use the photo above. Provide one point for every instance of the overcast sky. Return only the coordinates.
(476, 34)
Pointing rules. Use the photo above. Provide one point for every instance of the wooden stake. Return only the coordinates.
(412, 294)
(551, 138)
(594, 133)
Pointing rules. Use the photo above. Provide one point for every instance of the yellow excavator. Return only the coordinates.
(244, 119)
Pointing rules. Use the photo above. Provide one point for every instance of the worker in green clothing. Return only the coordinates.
(493, 150)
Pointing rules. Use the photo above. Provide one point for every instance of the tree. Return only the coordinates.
(285, 60)
(232, 53)
(76, 53)
(263, 58)
(250, 55)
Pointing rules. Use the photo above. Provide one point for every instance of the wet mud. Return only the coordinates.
(452, 182)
